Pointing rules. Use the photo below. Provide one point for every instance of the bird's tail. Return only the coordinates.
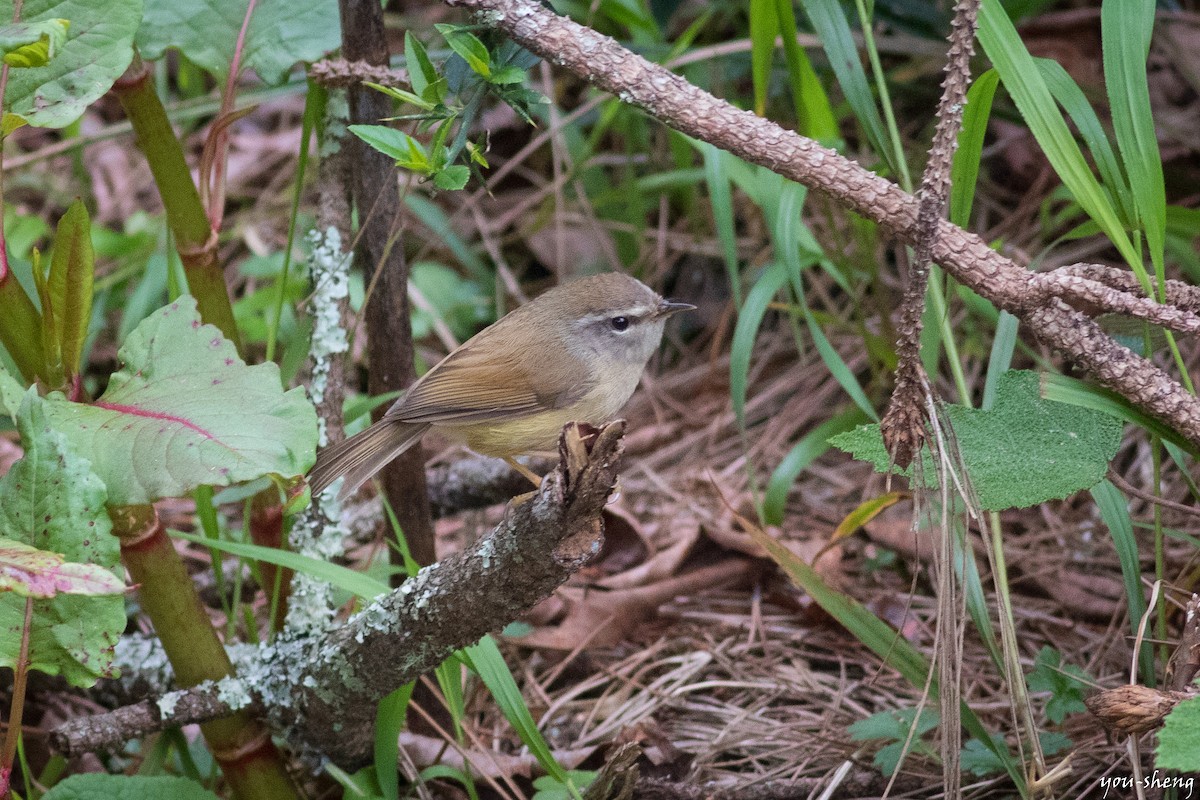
(362, 455)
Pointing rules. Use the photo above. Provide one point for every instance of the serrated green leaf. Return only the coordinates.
(1023, 451)
(421, 74)
(468, 46)
(1179, 738)
(407, 151)
(72, 271)
(185, 411)
(32, 44)
(279, 35)
(96, 786)
(452, 178)
(53, 501)
(97, 50)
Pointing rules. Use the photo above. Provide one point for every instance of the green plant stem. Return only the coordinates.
(17, 711)
(937, 296)
(1008, 637)
(885, 100)
(195, 239)
(242, 746)
(1160, 564)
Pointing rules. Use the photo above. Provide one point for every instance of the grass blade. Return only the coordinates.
(1025, 85)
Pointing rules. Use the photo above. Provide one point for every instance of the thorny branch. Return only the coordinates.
(669, 98)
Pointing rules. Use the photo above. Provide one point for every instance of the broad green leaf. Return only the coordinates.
(507, 74)
(25, 44)
(53, 501)
(1023, 451)
(1073, 391)
(894, 726)
(1179, 739)
(97, 50)
(72, 270)
(29, 572)
(280, 34)
(96, 786)
(469, 47)
(185, 411)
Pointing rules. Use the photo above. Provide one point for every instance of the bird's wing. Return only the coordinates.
(468, 387)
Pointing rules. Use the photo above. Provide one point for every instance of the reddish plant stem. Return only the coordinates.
(241, 744)
(20, 683)
(196, 240)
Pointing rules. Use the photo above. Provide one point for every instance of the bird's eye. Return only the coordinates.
(619, 323)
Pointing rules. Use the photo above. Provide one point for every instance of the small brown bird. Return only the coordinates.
(573, 354)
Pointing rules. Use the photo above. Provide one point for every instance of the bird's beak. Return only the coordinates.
(668, 307)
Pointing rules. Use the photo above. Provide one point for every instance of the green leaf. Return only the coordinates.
(96, 786)
(11, 392)
(469, 47)
(487, 662)
(829, 22)
(421, 74)
(1065, 683)
(29, 572)
(764, 27)
(749, 320)
(185, 411)
(895, 726)
(808, 95)
(1179, 739)
(72, 271)
(979, 759)
(25, 44)
(810, 447)
(52, 500)
(452, 178)
(390, 717)
(879, 637)
(720, 196)
(1125, 29)
(401, 95)
(97, 50)
(965, 170)
(1025, 84)
(407, 151)
(344, 578)
(508, 74)
(1023, 451)
(1114, 510)
(279, 35)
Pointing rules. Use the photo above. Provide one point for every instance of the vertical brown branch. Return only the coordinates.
(389, 330)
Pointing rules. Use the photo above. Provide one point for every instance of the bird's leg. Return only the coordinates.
(526, 471)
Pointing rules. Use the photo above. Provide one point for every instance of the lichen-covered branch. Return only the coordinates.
(321, 691)
(669, 98)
